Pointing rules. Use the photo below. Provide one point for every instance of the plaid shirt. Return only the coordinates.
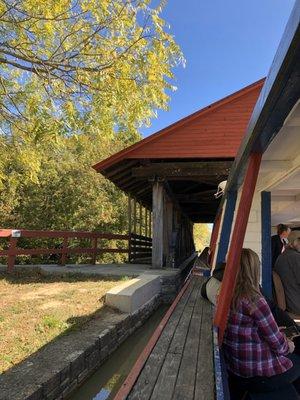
(253, 344)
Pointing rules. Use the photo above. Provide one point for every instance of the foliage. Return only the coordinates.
(202, 234)
(78, 79)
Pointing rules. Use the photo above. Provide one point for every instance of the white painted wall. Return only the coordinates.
(253, 232)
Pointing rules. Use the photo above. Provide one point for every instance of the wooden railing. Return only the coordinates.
(140, 248)
(63, 249)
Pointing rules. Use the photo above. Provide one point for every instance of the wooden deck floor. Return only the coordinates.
(180, 366)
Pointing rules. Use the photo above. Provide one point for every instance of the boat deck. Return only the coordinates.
(181, 364)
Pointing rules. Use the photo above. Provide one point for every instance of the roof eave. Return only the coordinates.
(278, 96)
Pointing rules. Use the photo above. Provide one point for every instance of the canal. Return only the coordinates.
(105, 382)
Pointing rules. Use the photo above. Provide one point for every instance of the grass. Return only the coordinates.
(35, 309)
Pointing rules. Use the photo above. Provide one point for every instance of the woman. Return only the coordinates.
(258, 356)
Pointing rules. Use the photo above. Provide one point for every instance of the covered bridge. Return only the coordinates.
(171, 176)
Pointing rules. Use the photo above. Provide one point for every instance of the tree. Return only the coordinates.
(84, 54)
(77, 80)
(202, 233)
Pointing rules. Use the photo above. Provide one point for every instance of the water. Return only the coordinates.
(106, 381)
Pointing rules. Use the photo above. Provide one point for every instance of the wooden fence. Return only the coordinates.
(140, 248)
(135, 245)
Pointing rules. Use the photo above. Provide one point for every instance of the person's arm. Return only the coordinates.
(268, 329)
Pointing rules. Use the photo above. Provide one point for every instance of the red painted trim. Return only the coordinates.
(140, 244)
(235, 249)
(123, 154)
(129, 382)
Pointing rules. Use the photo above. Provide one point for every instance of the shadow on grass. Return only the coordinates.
(73, 337)
(20, 277)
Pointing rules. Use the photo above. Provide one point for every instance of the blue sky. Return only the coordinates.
(228, 44)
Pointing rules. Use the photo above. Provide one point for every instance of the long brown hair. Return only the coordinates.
(247, 282)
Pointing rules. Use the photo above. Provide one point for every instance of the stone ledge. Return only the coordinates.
(131, 295)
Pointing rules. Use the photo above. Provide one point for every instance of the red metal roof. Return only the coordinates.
(215, 131)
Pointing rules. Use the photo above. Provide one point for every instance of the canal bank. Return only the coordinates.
(106, 381)
(56, 370)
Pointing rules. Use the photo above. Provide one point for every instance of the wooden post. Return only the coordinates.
(141, 220)
(266, 252)
(214, 237)
(64, 251)
(158, 225)
(129, 216)
(95, 245)
(11, 259)
(150, 223)
(146, 222)
(226, 226)
(168, 233)
(134, 216)
(235, 249)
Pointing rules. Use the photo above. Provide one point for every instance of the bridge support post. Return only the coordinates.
(226, 226)
(235, 248)
(266, 253)
(158, 225)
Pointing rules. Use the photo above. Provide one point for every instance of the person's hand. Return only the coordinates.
(291, 345)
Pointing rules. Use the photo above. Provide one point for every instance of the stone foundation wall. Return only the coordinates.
(76, 367)
(170, 285)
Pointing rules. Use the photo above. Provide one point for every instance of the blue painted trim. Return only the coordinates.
(218, 369)
(221, 379)
(226, 226)
(266, 250)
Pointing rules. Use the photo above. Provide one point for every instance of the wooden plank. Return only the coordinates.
(186, 380)
(176, 169)
(111, 172)
(145, 384)
(204, 388)
(158, 225)
(137, 243)
(131, 379)
(166, 381)
(141, 237)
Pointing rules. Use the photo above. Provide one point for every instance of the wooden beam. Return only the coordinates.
(183, 169)
(200, 196)
(141, 219)
(266, 245)
(134, 215)
(226, 226)
(237, 240)
(129, 215)
(150, 224)
(158, 225)
(146, 221)
(111, 172)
